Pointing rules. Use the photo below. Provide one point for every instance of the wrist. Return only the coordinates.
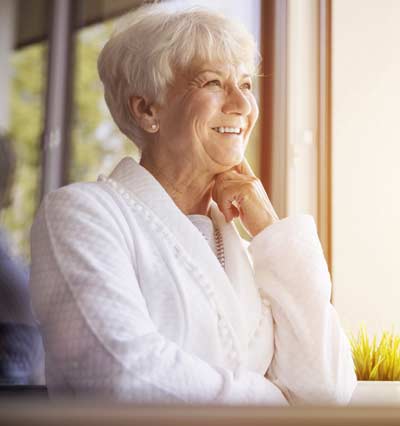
(257, 229)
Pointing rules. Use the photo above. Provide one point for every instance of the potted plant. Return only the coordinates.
(377, 366)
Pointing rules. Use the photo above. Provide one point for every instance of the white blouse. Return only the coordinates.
(134, 305)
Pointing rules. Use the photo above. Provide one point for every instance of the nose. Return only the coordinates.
(236, 103)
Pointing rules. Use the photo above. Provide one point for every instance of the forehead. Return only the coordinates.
(236, 71)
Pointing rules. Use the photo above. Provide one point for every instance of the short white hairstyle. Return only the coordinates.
(151, 43)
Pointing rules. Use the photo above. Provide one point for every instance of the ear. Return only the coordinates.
(143, 112)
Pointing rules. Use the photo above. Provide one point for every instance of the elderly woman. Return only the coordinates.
(144, 289)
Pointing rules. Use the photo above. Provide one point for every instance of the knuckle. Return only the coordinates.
(250, 184)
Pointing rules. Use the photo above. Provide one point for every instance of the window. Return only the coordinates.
(97, 143)
(22, 117)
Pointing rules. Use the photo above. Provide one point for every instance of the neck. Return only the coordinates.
(186, 184)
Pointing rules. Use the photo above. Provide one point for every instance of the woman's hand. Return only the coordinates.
(239, 193)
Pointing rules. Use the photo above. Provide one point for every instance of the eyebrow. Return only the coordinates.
(221, 73)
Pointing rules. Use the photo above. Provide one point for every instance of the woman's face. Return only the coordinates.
(209, 115)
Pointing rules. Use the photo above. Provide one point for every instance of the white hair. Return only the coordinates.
(151, 43)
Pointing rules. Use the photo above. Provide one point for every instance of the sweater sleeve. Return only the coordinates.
(99, 337)
(312, 363)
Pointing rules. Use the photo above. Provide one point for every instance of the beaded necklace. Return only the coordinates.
(219, 244)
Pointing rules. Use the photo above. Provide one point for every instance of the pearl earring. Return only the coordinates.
(154, 126)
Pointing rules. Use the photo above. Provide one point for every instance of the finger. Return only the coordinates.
(232, 176)
(224, 204)
(234, 211)
(225, 184)
(228, 197)
(244, 168)
(228, 173)
(229, 210)
(224, 200)
(231, 187)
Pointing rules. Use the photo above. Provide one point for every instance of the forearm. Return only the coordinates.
(312, 361)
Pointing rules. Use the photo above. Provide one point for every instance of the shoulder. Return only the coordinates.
(84, 196)
(82, 193)
(89, 203)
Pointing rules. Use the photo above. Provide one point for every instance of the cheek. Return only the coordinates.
(254, 110)
(202, 113)
(252, 118)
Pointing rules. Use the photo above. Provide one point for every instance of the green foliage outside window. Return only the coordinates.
(27, 115)
(97, 143)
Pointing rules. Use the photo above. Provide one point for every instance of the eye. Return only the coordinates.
(246, 86)
(213, 83)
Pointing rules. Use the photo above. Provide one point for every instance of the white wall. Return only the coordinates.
(366, 162)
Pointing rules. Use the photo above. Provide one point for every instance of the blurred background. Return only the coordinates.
(327, 142)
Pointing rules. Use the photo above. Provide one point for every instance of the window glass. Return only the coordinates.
(26, 103)
(23, 66)
(97, 144)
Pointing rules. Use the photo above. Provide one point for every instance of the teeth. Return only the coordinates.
(235, 130)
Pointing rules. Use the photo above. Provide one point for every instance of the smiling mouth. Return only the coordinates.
(228, 130)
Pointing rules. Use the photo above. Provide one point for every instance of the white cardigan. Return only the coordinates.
(134, 305)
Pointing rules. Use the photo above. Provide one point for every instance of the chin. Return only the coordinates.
(232, 160)
(227, 157)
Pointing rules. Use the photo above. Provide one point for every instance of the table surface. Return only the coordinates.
(28, 412)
